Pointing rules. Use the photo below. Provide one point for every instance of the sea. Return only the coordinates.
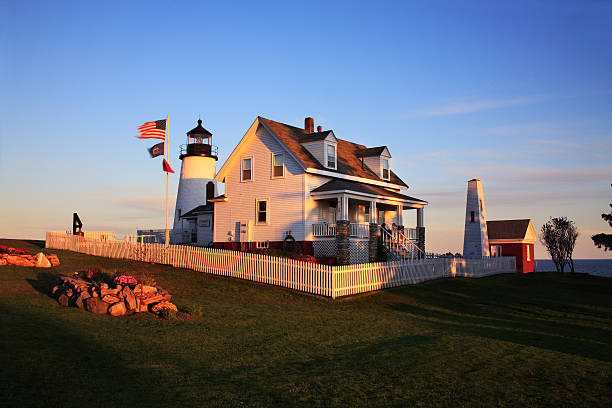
(599, 267)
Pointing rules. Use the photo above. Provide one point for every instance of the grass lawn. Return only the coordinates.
(535, 340)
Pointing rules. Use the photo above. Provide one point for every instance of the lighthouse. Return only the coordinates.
(193, 214)
(476, 237)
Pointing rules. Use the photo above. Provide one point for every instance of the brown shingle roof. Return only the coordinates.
(339, 184)
(198, 210)
(507, 229)
(314, 137)
(348, 161)
(371, 151)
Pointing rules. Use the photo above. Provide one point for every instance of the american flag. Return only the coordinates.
(153, 130)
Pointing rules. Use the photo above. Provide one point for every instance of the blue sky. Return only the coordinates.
(516, 93)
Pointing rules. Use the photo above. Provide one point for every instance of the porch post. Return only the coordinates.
(342, 232)
(374, 234)
(399, 216)
(420, 229)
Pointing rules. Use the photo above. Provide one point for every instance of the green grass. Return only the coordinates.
(510, 340)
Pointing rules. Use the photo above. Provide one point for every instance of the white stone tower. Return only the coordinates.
(476, 237)
(197, 183)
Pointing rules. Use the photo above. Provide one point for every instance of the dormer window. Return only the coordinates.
(331, 156)
(385, 169)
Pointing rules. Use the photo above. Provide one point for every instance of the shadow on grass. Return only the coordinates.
(44, 283)
(56, 357)
(36, 242)
(578, 326)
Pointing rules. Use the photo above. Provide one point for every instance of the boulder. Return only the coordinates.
(53, 259)
(104, 292)
(41, 261)
(118, 309)
(95, 305)
(3, 262)
(110, 299)
(80, 301)
(145, 290)
(63, 299)
(130, 299)
(103, 286)
(140, 307)
(56, 290)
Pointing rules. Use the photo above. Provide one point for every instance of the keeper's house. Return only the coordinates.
(513, 238)
(288, 186)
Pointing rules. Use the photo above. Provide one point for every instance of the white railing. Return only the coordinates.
(412, 234)
(324, 229)
(356, 230)
(399, 246)
(332, 281)
(359, 230)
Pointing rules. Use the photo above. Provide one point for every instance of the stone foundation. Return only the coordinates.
(342, 242)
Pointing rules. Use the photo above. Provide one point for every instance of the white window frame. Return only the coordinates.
(274, 165)
(382, 168)
(242, 159)
(257, 222)
(262, 244)
(335, 156)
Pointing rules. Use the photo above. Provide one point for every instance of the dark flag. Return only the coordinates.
(157, 150)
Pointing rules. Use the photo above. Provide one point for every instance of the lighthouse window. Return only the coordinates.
(471, 216)
(278, 165)
(247, 169)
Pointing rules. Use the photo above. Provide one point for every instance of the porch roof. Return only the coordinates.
(200, 209)
(339, 185)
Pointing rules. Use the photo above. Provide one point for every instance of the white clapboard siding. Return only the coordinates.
(306, 277)
(285, 195)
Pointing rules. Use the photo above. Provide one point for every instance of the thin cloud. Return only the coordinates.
(470, 106)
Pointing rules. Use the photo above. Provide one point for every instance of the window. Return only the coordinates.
(471, 216)
(385, 169)
(247, 169)
(278, 165)
(528, 253)
(262, 211)
(331, 156)
(262, 245)
(194, 237)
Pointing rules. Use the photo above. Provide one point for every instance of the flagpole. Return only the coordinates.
(167, 175)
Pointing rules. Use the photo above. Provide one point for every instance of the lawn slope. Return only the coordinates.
(508, 340)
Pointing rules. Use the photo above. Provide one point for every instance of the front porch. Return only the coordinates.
(349, 225)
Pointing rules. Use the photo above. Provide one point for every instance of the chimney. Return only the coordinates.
(319, 128)
(309, 125)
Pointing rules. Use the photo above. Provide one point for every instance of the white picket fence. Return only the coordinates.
(324, 280)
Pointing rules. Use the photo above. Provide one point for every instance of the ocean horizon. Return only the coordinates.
(598, 267)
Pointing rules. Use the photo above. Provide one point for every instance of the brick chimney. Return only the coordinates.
(319, 128)
(309, 125)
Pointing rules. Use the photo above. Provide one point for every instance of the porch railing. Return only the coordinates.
(356, 230)
(324, 229)
(359, 230)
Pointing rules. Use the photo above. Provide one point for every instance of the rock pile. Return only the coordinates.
(101, 299)
(39, 260)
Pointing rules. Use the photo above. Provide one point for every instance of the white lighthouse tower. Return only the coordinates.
(197, 185)
(476, 236)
